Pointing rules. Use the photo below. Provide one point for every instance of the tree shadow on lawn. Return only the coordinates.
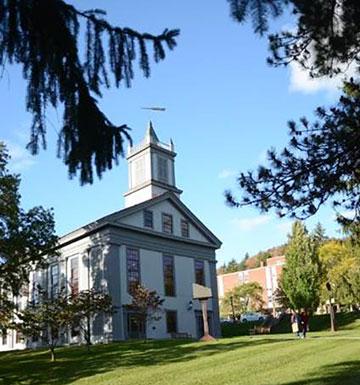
(344, 373)
(34, 367)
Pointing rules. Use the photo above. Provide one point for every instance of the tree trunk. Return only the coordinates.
(332, 317)
(52, 353)
(88, 333)
(232, 308)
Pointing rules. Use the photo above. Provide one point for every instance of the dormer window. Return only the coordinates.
(184, 228)
(167, 223)
(163, 174)
(148, 219)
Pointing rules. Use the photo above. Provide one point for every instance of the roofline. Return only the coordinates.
(137, 229)
(202, 227)
(105, 218)
(156, 183)
(104, 221)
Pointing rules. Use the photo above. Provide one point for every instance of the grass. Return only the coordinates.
(322, 359)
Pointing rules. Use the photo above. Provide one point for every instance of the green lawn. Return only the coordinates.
(321, 359)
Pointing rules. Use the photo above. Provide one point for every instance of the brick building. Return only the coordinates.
(267, 276)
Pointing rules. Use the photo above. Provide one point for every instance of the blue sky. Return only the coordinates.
(224, 108)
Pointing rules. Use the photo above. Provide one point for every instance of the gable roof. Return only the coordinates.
(110, 219)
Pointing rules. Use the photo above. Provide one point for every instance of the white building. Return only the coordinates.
(155, 240)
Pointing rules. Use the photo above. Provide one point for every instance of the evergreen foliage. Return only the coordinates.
(42, 36)
(231, 267)
(318, 234)
(326, 37)
(281, 297)
(300, 279)
(25, 238)
(321, 161)
(259, 11)
(248, 262)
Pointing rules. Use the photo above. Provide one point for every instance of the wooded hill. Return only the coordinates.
(251, 262)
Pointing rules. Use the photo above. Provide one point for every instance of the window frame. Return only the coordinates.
(74, 288)
(172, 259)
(200, 261)
(185, 234)
(163, 225)
(171, 312)
(163, 169)
(4, 337)
(54, 290)
(19, 337)
(145, 212)
(34, 287)
(129, 282)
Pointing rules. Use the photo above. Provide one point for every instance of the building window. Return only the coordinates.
(163, 169)
(75, 331)
(74, 276)
(167, 223)
(19, 338)
(133, 268)
(54, 281)
(199, 272)
(148, 219)
(171, 321)
(4, 337)
(35, 288)
(169, 275)
(184, 228)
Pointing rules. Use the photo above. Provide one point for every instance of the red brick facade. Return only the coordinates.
(267, 276)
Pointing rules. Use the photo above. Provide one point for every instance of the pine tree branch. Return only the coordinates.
(42, 36)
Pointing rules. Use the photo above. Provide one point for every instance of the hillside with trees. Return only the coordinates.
(252, 262)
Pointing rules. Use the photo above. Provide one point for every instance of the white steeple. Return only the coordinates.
(151, 169)
(150, 135)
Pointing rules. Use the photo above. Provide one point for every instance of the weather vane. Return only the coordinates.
(154, 108)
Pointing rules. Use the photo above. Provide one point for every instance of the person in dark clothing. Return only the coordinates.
(304, 322)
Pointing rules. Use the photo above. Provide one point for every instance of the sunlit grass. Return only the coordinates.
(322, 359)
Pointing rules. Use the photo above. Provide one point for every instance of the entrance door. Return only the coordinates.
(135, 326)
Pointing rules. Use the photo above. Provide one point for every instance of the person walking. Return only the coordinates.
(304, 321)
(295, 323)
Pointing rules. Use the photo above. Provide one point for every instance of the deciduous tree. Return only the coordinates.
(45, 320)
(147, 304)
(85, 306)
(242, 298)
(25, 238)
(340, 272)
